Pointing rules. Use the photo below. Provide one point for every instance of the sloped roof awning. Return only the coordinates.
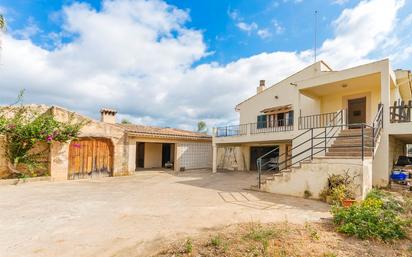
(277, 109)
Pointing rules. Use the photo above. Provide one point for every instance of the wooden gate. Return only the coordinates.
(90, 157)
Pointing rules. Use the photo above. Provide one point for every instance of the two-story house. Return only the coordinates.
(319, 122)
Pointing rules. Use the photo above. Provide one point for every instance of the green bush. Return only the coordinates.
(339, 187)
(378, 216)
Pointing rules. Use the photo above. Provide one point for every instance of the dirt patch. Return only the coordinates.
(282, 239)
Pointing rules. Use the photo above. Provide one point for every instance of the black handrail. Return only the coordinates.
(325, 137)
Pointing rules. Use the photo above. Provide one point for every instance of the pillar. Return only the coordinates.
(214, 159)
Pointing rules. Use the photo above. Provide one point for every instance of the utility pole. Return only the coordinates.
(316, 32)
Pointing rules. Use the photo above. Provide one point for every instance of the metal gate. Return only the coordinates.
(90, 158)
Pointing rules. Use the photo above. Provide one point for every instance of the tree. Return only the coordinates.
(126, 121)
(201, 127)
(2, 22)
(2, 26)
(24, 129)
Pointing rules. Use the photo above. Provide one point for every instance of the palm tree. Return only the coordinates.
(2, 22)
(2, 27)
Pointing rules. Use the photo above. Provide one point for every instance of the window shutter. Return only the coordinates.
(261, 121)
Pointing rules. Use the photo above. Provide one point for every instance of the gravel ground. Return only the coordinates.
(113, 216)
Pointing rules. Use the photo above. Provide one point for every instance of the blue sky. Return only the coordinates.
(176, 62)
(289, 23)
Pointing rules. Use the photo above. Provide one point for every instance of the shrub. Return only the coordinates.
(188, 246)
(339, 187)
(216, 241)
(307, 194)
(24, 128)
(375, 217)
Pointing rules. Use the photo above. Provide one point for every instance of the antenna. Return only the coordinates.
(316, 28)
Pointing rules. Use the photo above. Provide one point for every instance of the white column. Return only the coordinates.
(214, 164)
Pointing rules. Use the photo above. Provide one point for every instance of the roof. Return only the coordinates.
(264, 91)
(164, 132)
(275, 109)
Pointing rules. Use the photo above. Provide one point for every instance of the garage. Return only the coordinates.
(258, 151)
(90, 157)
(169, 148)
(154, 155)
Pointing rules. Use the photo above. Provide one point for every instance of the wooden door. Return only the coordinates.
(357, 111)
(90, 157)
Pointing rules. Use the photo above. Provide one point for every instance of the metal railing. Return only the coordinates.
(401, 112)
(319, 142)
(318, 120)
(274, 126)
(254, 128)
(233, 130)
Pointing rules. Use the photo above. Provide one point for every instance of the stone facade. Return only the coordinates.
(190, 147)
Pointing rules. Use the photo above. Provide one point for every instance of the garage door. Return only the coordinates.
(196, 155)
(90, 157)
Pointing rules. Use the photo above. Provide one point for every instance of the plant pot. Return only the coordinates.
(348, 202)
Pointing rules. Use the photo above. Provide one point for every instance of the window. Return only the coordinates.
(290, 118)
(262, 121)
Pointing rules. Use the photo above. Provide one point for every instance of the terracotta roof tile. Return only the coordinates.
(173, 132)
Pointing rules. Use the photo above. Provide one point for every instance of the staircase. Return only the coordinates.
(352, 146)
(348, 144)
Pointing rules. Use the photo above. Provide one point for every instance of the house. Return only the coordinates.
(107, 148)
(318, 122)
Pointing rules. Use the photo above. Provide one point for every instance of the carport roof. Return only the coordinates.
(163, 132)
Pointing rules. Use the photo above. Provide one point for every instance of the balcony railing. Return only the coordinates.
(269, 127)
(401, 112)
(320, 120)
(233, 130)
(254, 128)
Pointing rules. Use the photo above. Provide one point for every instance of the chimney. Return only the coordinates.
(261, 86)
(108, 115)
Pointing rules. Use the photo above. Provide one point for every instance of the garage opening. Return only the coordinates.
(90, 157)
(257, 151)
(167, 155)
(154, 155)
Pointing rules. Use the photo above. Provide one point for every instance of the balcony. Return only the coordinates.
(401, 112)
(254, 128)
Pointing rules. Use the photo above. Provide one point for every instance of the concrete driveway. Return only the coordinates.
(125, 216)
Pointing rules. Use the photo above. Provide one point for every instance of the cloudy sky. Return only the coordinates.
(173, 63)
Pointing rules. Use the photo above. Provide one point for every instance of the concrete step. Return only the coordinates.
(352, 141)
(349, 149)
(349, 154)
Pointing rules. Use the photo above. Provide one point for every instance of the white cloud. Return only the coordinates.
(233, 14)
(30, 30)
(137, 57)
(360, 31)
(248, 27)
(264, 33)
(340, 2)
(279, 29)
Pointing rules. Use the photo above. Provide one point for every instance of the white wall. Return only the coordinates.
(152, 155)
(195, 155)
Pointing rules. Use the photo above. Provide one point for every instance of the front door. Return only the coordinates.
(356, 111)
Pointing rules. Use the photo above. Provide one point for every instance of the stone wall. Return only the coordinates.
(93, 129)
(3, 162)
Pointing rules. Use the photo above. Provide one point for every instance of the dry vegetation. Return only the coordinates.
(284, 239)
